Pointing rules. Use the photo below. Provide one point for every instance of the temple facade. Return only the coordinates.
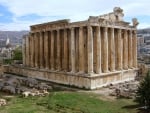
(87, 54)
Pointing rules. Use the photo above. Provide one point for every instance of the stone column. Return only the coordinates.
(27, 51)
(32, 50)
(112, 50)
(134, 49)
(98, 50)
(90, 49)
(46, 53)
(58, 51)
(36, 49)
(130, 49)
(65, 51)
(81, 50)
(119, 52)
(125, 50)
(41, 50)
(29, 39)
(24, 50)
(52, 50)
(72, 50)
(105, 51)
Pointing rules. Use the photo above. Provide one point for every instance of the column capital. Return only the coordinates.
(89, 27)
(112, 29)
(119, 30)
(81, 27)
(57, 30)
(130, 30)
(105, 29)
(135, 31)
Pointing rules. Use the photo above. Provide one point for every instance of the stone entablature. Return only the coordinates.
(95, 47)
(92, 21)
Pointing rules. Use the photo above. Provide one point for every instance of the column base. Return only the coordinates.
(106, 71)
(112, 70)
(80, 72)
(125, 67)
(72, 72)
(119, 69)
(52, 69)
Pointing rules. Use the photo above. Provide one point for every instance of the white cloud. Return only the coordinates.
(70, 9)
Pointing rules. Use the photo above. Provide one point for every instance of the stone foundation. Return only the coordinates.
(78, 80)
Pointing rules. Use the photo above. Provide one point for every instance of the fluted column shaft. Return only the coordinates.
(105, 51)
(125, 50)
(24, 50)
(130, 49)
(135, 49)
(72, 50)
(32, 50)
(36, 49)
(119, 52)
(46, 53)
(65, 51)
(81, 50)
(52, 50)
(41, 50)
(27, 51)
(58, 51)
(112, 50)
(90, 49)
(98, 50)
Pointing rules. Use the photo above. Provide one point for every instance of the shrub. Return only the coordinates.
(143, 92)
(17, 54)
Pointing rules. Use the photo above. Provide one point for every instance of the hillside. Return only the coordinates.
(14, 36)
(144, 31)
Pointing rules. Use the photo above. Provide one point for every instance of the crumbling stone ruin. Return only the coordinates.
(2, 102)
(12, 84)
(86, 54)
(124, 90)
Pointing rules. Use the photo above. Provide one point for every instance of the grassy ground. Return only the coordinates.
(67, 102)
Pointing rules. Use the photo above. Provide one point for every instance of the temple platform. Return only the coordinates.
(85, 81)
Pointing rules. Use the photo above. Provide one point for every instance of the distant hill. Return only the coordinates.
(144, 31)
(14, 36)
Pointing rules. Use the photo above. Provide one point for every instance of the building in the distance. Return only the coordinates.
(87, 54)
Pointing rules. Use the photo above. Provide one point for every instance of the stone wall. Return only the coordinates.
(80, 81)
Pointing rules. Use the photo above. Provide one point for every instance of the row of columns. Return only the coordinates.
(84, 50)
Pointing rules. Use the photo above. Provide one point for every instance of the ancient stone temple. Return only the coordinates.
(87, 54)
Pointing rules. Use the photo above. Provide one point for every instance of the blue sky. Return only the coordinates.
(20, 14)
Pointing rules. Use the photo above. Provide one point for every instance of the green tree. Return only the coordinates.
(143, 92)
(17, 55)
